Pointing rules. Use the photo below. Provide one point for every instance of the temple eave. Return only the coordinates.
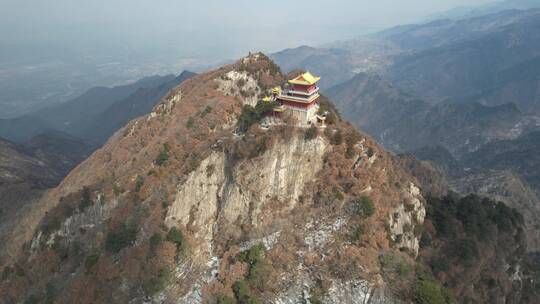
(299, 99)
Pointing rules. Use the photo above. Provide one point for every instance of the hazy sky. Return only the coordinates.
(232, 26)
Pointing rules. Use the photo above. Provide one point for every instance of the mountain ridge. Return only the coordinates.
(178, 205)
(465, 12)
(82, 116)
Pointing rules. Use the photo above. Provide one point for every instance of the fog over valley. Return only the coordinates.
(52, 51)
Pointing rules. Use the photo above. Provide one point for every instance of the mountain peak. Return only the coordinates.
(179, 187)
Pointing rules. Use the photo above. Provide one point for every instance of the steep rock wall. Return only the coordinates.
(405, 218)
(216, 192)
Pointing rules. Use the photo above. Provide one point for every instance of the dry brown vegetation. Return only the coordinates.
(137, 175)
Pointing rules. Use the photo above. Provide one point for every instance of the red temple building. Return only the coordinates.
(301, 99)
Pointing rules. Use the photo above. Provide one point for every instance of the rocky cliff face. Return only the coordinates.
(178, 208)
(212, 195)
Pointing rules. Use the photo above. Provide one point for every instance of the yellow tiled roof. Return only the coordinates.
(305, 79)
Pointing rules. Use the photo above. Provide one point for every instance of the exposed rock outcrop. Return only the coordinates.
(405, 218)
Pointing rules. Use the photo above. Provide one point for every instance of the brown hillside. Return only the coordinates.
(177, 208)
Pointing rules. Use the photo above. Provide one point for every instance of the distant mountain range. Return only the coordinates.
(458, 84)
(405, 123)
(461, 93)
(464, 12)
(485, 63)
(95, 115)
(445, 59)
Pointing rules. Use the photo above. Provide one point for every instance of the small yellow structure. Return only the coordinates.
(276, 90)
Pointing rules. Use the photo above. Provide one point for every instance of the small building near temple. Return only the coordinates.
(301, 99)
